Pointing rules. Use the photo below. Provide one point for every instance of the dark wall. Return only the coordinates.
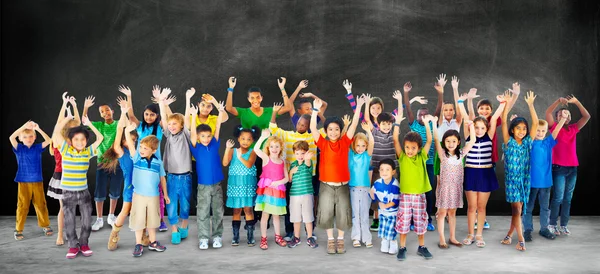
(90, 47)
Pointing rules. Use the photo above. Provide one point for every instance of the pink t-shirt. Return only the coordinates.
(565, 151)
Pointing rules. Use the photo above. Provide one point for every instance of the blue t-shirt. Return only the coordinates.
(29, 163)
(146, 175)
(541, 162)
(208, 162)
(418, 128)
(295, 118)
(385, 193)
(359, 169)
(144, 132)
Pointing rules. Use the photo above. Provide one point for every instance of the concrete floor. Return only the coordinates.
(567, 254)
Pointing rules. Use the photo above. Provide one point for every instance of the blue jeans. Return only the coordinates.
(113, 180)
(180, 192)
(430, 196)
(544, 195)
(564, 178)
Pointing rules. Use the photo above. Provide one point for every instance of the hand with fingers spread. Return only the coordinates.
(347, 85)
(419, 99)
(530, 97)
(308, 155)
(156, 91)
(265, 133)
(193, 109)
(472, 93)
(441, 82)
(277, 106)
(122, 102)
(365, 126)
(463, 97)
(85, 121)
(208, 98)
(232, 81)
(190, 92)
(72, 101)
(407, 87)
(572, 99)
(317, 103)
(512, 117)
(125, 90)
(434, 119)
(281, 82)
(131, 127)
(516, 88)
(230, 143)
(169, 100)
(220, 106)
(89, 101)
(165, 93)
(65, 98)
(367, 97)
(362, 100)
(563, 101)
(398, 118)
(303, 84)
(397, 95)
(346, 119)
(455, 82)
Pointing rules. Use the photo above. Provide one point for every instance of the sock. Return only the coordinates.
(331, 239)
(111, 215)
(340, 238)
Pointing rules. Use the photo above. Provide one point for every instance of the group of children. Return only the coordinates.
(329, 177)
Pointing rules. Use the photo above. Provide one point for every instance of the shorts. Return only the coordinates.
(412, 206)
(144, 212)
(301, 208)
(334, 204)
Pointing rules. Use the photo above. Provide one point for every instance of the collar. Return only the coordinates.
(149, 160)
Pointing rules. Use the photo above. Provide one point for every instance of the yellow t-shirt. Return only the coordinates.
(211, 121)
(289, 138)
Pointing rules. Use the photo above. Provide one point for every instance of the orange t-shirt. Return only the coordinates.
(333, 162)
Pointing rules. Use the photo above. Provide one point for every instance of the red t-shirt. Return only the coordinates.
(495, 139)
(333, 162)
(58, 160)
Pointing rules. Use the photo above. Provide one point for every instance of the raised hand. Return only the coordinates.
(122, 102)
(220, 106)
(365, 126)
(89, 101)
(512, 117)
(230, 143)
(169, 100)
(463, 97)
(563, 101)
(427, 118)
(308, 155)
(469, 123)
(434, 119)
(530, 97)
(65, 98)
(72, 101)
(125, 90)
(565, 114)
(347, 85)
(34, 126)
(361, 100)
(165, 92)
(85, 121)
(346, 119)
(303, 84)
(397, 95)
(419, 99)
(131, 127)
(193, 109)
(156, 91)
(265, 133)
(208, 98)
(454, 82)
(516, 88)
(317, 103)
(277, 106)
(472, 94)
(69, 114)
(281, 82)
(572, 99)
(398, 118)
(407, 87)
(306, 95)
(367, 96)
(441, 82)
(232, 82)
(190, 92)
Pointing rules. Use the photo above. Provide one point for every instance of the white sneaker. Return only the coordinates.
(385, 246)
(217, 242)
(111, 219)
(564, 230)
(203, 244)
(98, 224)
(554, 230)
(393, 247)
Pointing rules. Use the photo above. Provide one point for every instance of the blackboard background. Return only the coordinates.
(90, 47)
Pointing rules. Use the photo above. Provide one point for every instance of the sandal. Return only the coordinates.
(468, 240)
(479, 243)
(48, 231)
(369, 245)
(280, 241)
(19, 235)
(457, 243)
(355, 243)
(507, 240)
(521, 246)
(263, 243)
(443, 246)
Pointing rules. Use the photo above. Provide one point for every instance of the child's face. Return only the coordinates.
(420, 114)
(204, 137)
(448, 111)
(27, 138)
(146, 151)
(149, 116)
(480, 129)
(255, 99)
(174, 126)
(79, 141)
(451, 143)
(385, 127)
(302, 125)
(541, 132)
(333, 131)
(484, 110)
(274, 148)
(375, 110)
(520, 131)
(106, 112)
(245, 140)
(299, 154)
(205, 108)
(360, 146)
(305, 108)
(386, 172)
(411, 148)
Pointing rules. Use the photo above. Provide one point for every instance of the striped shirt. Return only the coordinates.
(289, 138)
(481, 153)
(302, 179)
(418, 128)
(383, 148)
(109, 132)
(146, 175)
(75, 165)
(385, 193)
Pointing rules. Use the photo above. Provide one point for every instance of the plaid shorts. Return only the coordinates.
(387, 228)
(412, 206)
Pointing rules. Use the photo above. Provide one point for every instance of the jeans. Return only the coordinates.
(179, 188)
(564, 179)
(544, 195)
(72, 199)
(430, 195)
(210, 197)
(102, 180)
(361, 203)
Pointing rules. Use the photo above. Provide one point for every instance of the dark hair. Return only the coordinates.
(375, 101)
(254, 131)
(300, 145)
(203, 128)
(483, 120)
(335, 120)
(110, 157)
(78, 130)
(105, 104)
(254, 89)
(385, 117)
(304, 101)
(414, 137)
(559, 110)
(450, 133)
(514, 123)
(484, 102)
(389, 162)
(154, 108)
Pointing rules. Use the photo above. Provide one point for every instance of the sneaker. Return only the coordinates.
(203, 244)
(72, 253)
(138, 250)
(564, 230)
(527, 236)
(424, 252)
(375, 225)
(155, 246)
(86, 251)
(430, 227)
(486, 225)
(393, 247)
(163, 227)
(294, 242)
(288, 237)
(331, 246)
(111, 219)
(385, 246)
(217, 242)
(554, 230)
(412, 227)
(312, 242)
(98, 224)
(401, 256)
(547, 234)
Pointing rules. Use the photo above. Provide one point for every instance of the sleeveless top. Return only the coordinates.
(480, 156)
(273, 171)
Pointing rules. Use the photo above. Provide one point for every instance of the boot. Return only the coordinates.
(113, 239)
(250, 232)
(236, 232)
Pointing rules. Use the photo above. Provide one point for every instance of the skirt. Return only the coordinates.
(480, 179)
(270, 199)
(54, 189)
(241, 191)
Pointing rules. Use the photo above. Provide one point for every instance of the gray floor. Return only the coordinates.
(578, 253)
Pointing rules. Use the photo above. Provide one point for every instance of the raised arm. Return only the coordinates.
(551, 108)
(193, 133)
(188, 101)
(263, 136)
(346, 120)
(13, 137)
(130, 143)
(286, 101)
(398, 96)
(89, 101)
(356, 117)
(127, 92)
(432, 119)
(459, 115)
(563, 118)
(61, 113)
(276, 107)
(494, 120)
(505, 133)
(516, 90)
(585, 115)
(99, 136)
(463, 111)
(471, 96)
(396, 137)
(367, 116)
(472, 138)
(120, 128)
(228, 155)
(229, 101)
(411, 116)
(303, 84)
(436, 139)
(57, 137)
(439, 87)
(221, 109)
(530, 98)
(348, 86)
(313, 120)
(371, 143)
(47, 139)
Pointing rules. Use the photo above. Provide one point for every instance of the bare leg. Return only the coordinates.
(452, 224)
(471, 211)
(151, 234)
(61, 220)
(440, 223)
(309, 229)
(113, 206)
(297, 227)
(123, 214)
(276, 225)
(99, 208)
(264, 219)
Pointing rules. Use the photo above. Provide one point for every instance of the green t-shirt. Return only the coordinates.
(248, 119)
(413, 173)
(302, 180)
(109, 131)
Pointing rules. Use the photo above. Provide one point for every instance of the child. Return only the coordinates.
(414, 183)
(304, 105)
(301, 194)
(334, 174)
(270, 197)
(386, 192)
(75, 164)
(359, 160)
(148, 173)
(480, 177)
(54, 190)
(29, 177)
(241, 181)
(205, 107)
(449, 194)
(210, 194)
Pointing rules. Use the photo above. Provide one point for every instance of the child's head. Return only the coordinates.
(484, 108)
(422, 112)
(563, 112)
(204, 134)
(134, 137)
(106, 111)
(151, 114)
(70, 124)
(387, 169)
(148, 146)
(386, 121)
(274, 146)
(304, 106)
(519, 128)
(79, 136)
(333, 128)
(542, 129)
(204, 108)
(448, 111)
(412, 143)
(481, 126)
(303, 123)
(27, 136)
(451, 143)
(255, 97)
(175, 123)
(360, 143)
(375, 108)
(110, 156)
(300, 149)
(246, 136)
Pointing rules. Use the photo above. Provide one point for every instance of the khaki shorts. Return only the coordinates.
(334, 205)
(301, 209)
(144, 212)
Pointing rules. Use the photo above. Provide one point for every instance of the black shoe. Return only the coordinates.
(294, 242)
(289, 237)
(401, 256)
(424, 252)
(235, 241)
(527, 236)
(375, 225)
(312, 242)
(547, 234)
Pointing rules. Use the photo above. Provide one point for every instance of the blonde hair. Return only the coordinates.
(359, 137)
(71, 124)
(28, 131)
(268, 143)
(178, 117)
(542, 122)
(151, 141)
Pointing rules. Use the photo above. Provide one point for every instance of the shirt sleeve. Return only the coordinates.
(162, 169)
(241, 112)
(352, 102)
(276, 131)
(550, 142)
(321, 143)
(64, 147)
(194, 150)
(97, 125)
(424, 154)
(574, 128)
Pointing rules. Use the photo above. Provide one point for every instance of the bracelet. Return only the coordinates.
(284, 95)
(230, 89)
(396, 124)
(503, 102)
(283, 89)
(460, 101)
(315, 109)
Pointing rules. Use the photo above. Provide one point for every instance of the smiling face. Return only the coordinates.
(106, 112)
(480, 128)
(519, 131)
(542, 129)
(375, 110)
(205, 108)
(299, 154)
(484, 110)
(386, 172)
(411, 148)
(174, 126)
(385, 127)
(204, 137)
(27, 137)
(360, 146)
(150, 116)
(333, 131)
(146, 151)
(79, 141)
(274, 148)
(245, 139)
(448, 111)
(255, 98)
(451, 143)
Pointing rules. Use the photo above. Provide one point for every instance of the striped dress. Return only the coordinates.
(479, 171)
(271, 199)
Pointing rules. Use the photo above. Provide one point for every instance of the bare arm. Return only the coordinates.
(355, 118)
(427, 145)
(313, 121)
(436, 139)
(193, 134)
(459, 114)
(163, 184)
(89, 101)
(472, 138)
(585, 115)
(439, 87)
(188, 98)
(530, 98)
(229, 101)
(505, 134)
(286, 101)
(367, 116)
(127, 92)
(494, 120)
(265, 134)
(371, 144)
(99, 137)
(461, 109)
(516, 90)
(47, 139)
(250, 162)
(472, 95)
(221, 110)
(13, 137)
(120, 128)
(411, 116)
(396, 137)
(558, 127)
(228, 155)
(551, 108)
(130, 144)
(303, 84)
